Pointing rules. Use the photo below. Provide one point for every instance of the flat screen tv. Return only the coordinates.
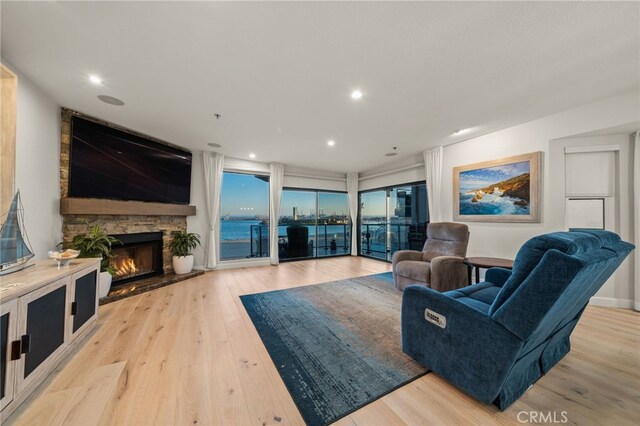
(111, 163)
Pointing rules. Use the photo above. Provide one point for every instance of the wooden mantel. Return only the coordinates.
(91, 206)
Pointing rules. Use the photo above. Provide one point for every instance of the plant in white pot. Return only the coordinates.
(97, 243)
(181, 245)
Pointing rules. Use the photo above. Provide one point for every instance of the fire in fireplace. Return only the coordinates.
(139, 256)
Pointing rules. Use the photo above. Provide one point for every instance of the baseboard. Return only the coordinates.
(610, 302)
(232, 264)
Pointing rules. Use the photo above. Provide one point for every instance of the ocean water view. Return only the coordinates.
(491, 204)
(236, 242)
(495, 203)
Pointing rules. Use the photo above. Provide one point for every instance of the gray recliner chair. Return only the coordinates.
(439, 265)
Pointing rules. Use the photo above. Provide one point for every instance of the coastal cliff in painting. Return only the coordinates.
(499, 190)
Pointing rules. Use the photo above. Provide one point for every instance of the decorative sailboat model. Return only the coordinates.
(15, 250)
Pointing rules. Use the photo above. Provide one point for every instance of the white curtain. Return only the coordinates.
(276, 180)
(213, 168)
(636, 216)
(433, 177)
(352, 189)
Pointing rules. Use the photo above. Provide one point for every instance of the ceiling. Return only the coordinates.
(281, 74)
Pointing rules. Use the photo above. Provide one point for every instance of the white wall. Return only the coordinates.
(504, 240)
(38, 165)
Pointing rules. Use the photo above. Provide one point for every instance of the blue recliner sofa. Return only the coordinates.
(496, 338)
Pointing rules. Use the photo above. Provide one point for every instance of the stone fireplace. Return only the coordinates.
(121, 225)
(139, 256)
(144, 227)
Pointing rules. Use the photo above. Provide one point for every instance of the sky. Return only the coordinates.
(247, 195)
(480, 178)
(374, 203)
(244, 195)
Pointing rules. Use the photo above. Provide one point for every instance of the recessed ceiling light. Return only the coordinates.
(214, 145)
(110, 100)
(356, 94)
(252, 155)
(95, 79)
(331, 142)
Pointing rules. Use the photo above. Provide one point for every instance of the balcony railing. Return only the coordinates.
(381, 240)
(323, 240)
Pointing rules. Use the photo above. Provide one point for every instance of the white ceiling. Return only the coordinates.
(281, 73)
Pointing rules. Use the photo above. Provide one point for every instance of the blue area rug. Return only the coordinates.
(336, 345)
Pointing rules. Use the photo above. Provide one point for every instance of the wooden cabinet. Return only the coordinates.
(8, 334)
(44, 312)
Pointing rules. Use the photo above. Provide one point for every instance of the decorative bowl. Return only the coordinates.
(64, 254)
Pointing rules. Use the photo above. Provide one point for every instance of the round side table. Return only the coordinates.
(485, 263)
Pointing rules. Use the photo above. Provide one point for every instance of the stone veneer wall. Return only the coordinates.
(73, 225)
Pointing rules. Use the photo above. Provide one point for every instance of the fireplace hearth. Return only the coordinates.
(139, 257)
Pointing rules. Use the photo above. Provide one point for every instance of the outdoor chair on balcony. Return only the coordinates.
(439, 265)
(297, 241)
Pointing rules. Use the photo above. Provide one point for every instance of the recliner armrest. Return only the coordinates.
(448, 273)
(401, 255)
(497, 276)
(472, 351)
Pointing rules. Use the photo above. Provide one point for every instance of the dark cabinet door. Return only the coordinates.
(45, 328)
(84, 299)
(4, 346)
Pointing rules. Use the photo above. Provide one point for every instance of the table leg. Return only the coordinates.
(477, 274)
(469, 267)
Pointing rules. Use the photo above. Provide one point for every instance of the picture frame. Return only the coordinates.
(504, 190)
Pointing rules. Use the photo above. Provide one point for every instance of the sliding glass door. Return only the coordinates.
(393, 219)
(334, 227)
(313, 224)
(297, 225)
(373, 224)
(244, 216)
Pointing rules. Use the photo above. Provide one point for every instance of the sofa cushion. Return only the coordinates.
(414, 270)
(478, 296)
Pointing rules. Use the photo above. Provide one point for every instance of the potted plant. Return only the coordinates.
(97, 243)
(181, 245)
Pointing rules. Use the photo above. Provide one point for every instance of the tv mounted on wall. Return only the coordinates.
(110, 163)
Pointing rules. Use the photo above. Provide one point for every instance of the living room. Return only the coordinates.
(364, 120)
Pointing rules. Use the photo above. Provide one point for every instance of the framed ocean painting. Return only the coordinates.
(505, 190)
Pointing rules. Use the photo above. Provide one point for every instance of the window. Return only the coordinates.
(244, 216)
(313, 224)
(393, 219)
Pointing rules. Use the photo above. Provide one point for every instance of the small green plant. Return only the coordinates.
(97, 243)
(183, 242)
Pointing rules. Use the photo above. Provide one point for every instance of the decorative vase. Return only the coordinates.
(182, 264)
(105, 284)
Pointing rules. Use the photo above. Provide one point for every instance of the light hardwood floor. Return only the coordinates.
(188, 354)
